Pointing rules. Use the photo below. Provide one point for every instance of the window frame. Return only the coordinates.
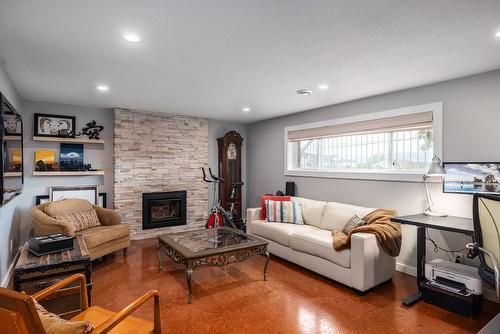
(437, 127)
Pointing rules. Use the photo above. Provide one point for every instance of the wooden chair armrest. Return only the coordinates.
(59, 285)
(108, 325)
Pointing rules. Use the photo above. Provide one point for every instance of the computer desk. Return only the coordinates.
(421, 221)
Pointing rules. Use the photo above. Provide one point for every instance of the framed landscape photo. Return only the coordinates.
(71, 157)
(59, 126)
(472, 177)
(89, 193)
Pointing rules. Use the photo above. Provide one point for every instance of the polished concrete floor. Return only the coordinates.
(236, 299)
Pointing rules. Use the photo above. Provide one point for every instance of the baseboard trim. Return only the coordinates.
(406, 269)
(10, 271)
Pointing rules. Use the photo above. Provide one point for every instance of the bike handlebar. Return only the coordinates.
(215, 179)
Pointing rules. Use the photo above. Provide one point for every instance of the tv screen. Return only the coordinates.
(472, 177)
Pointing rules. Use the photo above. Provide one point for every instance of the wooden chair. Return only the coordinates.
(18, 312)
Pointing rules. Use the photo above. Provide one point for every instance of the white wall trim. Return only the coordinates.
(437, 112)
(406, 269)
(10, 270)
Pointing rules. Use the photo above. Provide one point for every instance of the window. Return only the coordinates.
(394, 145)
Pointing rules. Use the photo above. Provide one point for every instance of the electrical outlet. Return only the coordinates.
(458, 257)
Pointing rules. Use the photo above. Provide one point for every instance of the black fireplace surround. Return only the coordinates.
(163, 209)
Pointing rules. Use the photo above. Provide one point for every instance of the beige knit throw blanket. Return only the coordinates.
(378, 222)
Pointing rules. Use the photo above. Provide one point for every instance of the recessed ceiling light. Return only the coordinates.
(304, 92)
(132, 38)
(323, 86)
(497, 34)
(246, 109)
(102, 88)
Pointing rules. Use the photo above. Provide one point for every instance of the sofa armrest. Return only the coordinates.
(44, 224)
(252, 214)
(107, 217)
(370, 264)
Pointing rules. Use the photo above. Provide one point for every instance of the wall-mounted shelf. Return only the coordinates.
(12, 138)
(12, 174)
(69, 140)
(68, 173)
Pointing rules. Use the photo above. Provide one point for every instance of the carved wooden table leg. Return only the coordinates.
(266, 265)
(158, 257)
(189, 273)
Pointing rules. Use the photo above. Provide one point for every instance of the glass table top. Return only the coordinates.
(210, 239)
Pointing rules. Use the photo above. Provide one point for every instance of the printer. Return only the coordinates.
(454, 277)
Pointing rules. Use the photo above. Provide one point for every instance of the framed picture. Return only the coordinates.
(46, 125)
(472, 177)
(89, 193)
(41, 199)
(12, 124)
(71, 157)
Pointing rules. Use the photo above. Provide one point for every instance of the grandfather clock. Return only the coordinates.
(230, 171)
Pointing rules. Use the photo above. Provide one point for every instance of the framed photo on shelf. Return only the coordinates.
(90, 193)
(41, 199)
(12, 124)
(58, 126)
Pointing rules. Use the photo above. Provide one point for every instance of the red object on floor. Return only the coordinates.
(263, 200)
(214, 220)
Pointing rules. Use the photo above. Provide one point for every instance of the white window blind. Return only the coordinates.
(401, 143)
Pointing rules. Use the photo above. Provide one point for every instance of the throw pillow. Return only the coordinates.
(272, 198)
(283, 212)
(66, 206)
(354, 222)
(81, 220)
(54, 324)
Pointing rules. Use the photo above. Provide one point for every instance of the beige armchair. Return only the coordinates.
(109, 237)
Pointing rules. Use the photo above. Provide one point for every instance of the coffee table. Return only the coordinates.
(215, 247)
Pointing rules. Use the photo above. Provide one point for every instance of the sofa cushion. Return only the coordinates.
(312, 210)
(263, 200)
(283, 212)
(320, 243)
(81, 220)
(338, 214)
(278, 232)
(102, 234)
(66, 207)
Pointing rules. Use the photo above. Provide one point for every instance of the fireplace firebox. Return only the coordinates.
(163, 209)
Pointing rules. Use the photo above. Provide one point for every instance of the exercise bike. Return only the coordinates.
(218, 216)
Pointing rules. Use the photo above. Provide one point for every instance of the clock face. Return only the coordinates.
(231, 152)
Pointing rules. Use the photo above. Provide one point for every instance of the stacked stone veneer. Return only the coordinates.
(159, 152)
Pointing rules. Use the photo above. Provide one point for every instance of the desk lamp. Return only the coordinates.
(435, 170)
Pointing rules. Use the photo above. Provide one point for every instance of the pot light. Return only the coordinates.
(133, 38)
(246, 109)
(305, 92)
(323, 86)
(497, 35)
(102, 88)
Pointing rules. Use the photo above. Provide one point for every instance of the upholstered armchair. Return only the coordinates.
(21, 314)
(102, 232)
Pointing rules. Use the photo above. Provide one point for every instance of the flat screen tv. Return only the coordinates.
(472, 177)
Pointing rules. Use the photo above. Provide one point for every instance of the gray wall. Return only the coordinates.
(471, 120)
(218, 129)
(10, 218)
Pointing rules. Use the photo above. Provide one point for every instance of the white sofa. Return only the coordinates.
(361, 267)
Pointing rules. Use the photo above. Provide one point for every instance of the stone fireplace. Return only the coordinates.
(163, 209)
(159, 153)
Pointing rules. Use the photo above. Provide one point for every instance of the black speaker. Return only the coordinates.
(290, 189)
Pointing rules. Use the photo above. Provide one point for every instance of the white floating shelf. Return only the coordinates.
(68, 173)
(12, 138)
(68, 140)
(12, 174)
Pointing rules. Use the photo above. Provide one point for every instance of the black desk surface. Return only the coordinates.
(448, 223)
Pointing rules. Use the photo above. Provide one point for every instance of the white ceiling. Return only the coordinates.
(211, 58)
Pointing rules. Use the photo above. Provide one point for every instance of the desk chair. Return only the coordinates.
(486, 219)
